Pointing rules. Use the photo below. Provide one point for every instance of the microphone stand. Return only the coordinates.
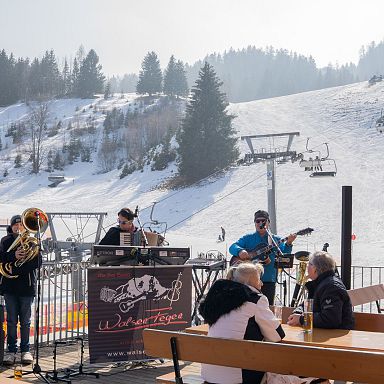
(36, 370)
(154, 258)
(141, 227)
(281, 254)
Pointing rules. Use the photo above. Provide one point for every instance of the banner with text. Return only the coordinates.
(122, 301)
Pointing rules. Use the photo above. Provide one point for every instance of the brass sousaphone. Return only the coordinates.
(35, 221)
(301, 279)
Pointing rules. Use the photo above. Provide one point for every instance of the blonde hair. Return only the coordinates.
(244, 272)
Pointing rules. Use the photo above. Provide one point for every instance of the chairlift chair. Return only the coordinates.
(327, 168)
(155, 226)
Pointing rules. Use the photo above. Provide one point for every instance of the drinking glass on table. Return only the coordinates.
(278, 311)
(308, 316)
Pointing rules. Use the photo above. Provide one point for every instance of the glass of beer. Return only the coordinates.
(308, 316)
(18, 371)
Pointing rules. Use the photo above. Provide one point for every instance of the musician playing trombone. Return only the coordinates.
(251, 246)
(19, 293)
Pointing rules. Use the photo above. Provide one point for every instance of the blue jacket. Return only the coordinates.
(252, 240)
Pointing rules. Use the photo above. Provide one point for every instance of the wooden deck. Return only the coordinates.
(111, 373)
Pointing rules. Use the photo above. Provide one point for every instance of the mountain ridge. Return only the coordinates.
(342, 116)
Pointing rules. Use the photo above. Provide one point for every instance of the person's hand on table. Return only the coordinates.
(294, 319)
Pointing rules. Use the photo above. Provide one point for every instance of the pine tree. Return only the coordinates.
(150, 77)
(207, 141)
(8, 91)
(107, 91)
(175, 80)
(75, 78)
(91, 79)
(50, 75)
(66, 80)
(18, 161)
(170, 77)
(181, 80)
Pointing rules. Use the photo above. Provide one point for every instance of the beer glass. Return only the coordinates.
(308, 315)
(17, 371)
(278, 310)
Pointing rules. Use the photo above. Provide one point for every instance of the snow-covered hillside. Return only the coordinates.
(343, 117)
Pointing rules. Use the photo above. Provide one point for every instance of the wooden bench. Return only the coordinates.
(372, 293)
(372, 322)
(289, 359)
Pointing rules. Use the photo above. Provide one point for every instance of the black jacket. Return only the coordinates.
(332, 307)
(112, 237)
(25, 283)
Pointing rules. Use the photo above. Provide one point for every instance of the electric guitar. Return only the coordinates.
(261, 252)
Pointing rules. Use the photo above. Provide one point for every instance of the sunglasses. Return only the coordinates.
(124, 221)
(259, 221)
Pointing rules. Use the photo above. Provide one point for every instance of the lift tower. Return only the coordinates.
(281, 155)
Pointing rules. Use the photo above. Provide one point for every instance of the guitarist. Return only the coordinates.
(247, 246)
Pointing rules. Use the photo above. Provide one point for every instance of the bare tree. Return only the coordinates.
(38, 123)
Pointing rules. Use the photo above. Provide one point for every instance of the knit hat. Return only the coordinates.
(261, 214)
(15, 219)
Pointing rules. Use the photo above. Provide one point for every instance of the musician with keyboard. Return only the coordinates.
(261, 247)
(125, 233)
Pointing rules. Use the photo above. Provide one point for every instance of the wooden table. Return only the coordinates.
(335, 338)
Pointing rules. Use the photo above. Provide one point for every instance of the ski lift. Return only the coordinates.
(157, 227)
(327, 168)
(380, 123)
(313, 162)
(319, 166)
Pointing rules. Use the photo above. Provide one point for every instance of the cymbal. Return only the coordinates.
(302, 255)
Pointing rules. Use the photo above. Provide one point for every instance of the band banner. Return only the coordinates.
(124, 300)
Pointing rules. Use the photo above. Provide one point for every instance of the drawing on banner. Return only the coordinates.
(136, 289)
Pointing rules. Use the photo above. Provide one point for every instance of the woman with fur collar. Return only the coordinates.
(235, 308)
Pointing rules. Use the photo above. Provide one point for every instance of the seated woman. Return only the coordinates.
(235, 308)
(332, 306)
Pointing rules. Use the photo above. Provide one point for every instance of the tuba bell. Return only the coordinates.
(35, 221)
(301, 279)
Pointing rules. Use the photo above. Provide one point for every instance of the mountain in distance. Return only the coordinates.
(344, 117)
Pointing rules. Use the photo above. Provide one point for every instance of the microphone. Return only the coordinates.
(136, 211)
(262, 225)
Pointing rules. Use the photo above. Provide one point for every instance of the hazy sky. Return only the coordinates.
(123, 31)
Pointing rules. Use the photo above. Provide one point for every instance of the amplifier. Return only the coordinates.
(117, 255)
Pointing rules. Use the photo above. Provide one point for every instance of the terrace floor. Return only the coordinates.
(111, 373)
